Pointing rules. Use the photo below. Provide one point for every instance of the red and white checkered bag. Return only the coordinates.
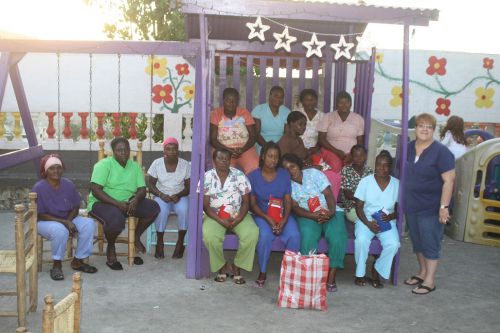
(303, 281)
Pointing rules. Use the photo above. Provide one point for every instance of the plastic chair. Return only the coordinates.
(22, 260)
(151, 236)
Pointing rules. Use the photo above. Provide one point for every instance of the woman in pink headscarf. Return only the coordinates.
(169, 180)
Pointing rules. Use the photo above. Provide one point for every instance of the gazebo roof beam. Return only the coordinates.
(313, 11)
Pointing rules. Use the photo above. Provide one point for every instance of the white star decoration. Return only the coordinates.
(314, 46)
(283, 40)
(257, 29)
(342, 48)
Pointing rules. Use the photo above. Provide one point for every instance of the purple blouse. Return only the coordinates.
(58, 202)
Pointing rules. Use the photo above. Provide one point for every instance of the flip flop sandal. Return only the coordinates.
(360, 281)
(331, 287)
(429, 290)
(376, 283)
(56, 274)
(221, 277)
(259, 283)
(238, 279)
(85, 268)
(416, 278)
(138, 261)
(116, 266)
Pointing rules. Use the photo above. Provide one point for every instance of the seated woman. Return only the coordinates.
(232, 128)
(315, 210)
(271, 205)
(118, 190)
(338, 131)
(309, 102)
(351, 175)
(225, 203)
(374, 193)
(291, 143)
(168, 180)
(270, 117)
(57, 204)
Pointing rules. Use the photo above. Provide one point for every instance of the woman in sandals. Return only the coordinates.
(376, 193)
(271, 204)
(58, 203)
(226, 202)
(313, 204)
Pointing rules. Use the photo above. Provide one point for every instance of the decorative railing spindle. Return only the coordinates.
(100, 127)
(84, 131)
(17, 125)
(133, 130)
(67, 127)
(2, 123)
(51, 131)
(117, 131)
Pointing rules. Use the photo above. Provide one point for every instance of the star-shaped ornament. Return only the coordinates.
(314, 46)
(283, 40)
(342, 48)
(257, 29)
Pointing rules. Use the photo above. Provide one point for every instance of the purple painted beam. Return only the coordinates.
(302, 74)
(340, 81)
(262, 80)
(404, 128)
(222, 75)
(14, 158)
(100, 47)
(236, 72)
(327, 85)
(289, 83)
(249, 84)
(313, 11)
(315, 77)
(276, 71)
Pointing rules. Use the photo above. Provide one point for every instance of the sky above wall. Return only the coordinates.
(463, 26)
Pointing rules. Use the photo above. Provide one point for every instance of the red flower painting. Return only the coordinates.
(488, 63)
(182, 69)
(436, 66)
(162, 93)
(443, 106)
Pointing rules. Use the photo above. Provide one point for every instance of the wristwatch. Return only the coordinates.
(443, 207)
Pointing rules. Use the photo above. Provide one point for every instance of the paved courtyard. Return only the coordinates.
(156, 297)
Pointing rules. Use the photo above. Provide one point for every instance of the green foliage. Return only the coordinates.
(143, 19)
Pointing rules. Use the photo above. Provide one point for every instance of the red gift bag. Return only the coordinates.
(303, 281)
(222, 212)
(275, 209)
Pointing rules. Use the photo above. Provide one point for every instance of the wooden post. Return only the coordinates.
(132, 221)
(48, 314)
(77, 288)
(33, 275)
(20, 266)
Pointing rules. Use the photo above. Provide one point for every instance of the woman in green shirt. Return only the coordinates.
(118, 190)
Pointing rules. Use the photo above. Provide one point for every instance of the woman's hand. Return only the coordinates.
(175, 198)
(70, 226)
(123, 206)
(444, 215)
(373, 226)
(325, 216)
(388, 218)
(132, 206)
(165, 197)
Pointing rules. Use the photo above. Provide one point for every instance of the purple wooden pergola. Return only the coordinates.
(219, 27)
(216, 32)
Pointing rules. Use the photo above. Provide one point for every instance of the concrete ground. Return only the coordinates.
(156, 297)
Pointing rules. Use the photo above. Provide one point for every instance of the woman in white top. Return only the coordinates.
(452, 136)
(168, 181)
(309, 101)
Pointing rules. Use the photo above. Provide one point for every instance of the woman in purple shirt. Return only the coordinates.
(58, 203)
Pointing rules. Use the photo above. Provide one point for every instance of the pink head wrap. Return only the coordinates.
(52, 161)
(170, 140)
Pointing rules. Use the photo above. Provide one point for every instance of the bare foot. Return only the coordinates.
(159, 254)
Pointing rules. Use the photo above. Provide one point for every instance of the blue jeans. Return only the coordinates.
(180, 208)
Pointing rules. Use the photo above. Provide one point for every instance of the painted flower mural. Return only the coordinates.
(188, 92)
(379, 58)
(488, 63)
(484, 97)
(162, 94)
(174, 89)
(397, 96)
(436, 66)
(157, 65)
(443, 106)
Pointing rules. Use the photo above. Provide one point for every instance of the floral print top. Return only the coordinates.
(230, 195)
(313, 184)
(350, 181)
